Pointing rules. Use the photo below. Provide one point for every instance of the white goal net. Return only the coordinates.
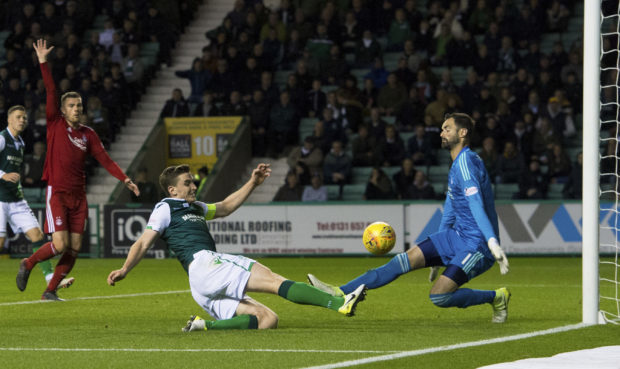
(609, 222)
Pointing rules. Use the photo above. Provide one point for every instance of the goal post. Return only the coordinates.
(591, 156)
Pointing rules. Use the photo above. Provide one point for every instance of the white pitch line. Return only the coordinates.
(399, 355)
(78, 349)
(96, 297)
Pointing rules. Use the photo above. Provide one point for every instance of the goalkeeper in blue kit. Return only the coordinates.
(467, 242)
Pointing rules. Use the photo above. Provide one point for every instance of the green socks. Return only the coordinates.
(238, 322)
(302, 293)
(46, 266)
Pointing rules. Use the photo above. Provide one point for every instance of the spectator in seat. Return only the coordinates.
(364, 146)
(283, 124)
(148, 190)
(379, 186)
(392, 96)
(291, 190)
(403, 179)
(258, 111)
(421, 189)
(400, 31)
(176, 106)
(207, 107)
(316, 192)
(509, 165)
(97, 119)
(234, 106)
(316, 99)
(377, 125)
(489, 156)
(420, 148)
(198, 79)
(533, 183)
(391, 149)
(559, 164)
(367, 50)
(573, 187)
(33, 166)
(337, 167)
(308, 154)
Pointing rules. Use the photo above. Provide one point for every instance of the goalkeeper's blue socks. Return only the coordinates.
(380, 276)
(462, 298)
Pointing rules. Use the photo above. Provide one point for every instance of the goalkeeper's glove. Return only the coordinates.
(433, 273)
(498, 254)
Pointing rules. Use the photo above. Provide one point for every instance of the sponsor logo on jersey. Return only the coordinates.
(192, 218)
(80, 143)
(469, 191)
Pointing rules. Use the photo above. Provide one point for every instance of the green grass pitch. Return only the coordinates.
(397, 317)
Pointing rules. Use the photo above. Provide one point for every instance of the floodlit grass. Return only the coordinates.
(397, 317)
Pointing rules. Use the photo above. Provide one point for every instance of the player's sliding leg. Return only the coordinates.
(263, 279)
(196, 323)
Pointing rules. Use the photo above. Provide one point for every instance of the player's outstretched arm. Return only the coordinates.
(235, 199)
(136, 253)
(40, 47)
(131, 186)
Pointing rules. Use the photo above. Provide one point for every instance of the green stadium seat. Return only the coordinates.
(332, 192)
(555, 191)
(149, 48)
(444, 158)
(390, 60)
(360, 175)
(306, 127)
(440, 188)
(354, 192)
(438, 173)
(280, 77)
(33, 195)
(405, 136)
(506, 191)
(390, 171)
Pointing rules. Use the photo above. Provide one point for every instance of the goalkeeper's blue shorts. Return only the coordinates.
(448, 249)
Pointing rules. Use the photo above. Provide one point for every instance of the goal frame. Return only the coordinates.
(591, 157)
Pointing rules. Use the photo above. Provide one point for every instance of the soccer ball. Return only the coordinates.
(379, 238)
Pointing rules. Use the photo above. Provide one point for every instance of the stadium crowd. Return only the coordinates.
(525, 100)
(375, 77)
(101, 62)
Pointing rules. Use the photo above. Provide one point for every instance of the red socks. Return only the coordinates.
(45, 252)
(63, 268)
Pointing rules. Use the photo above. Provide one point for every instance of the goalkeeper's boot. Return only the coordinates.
(195, 323)
(328, 288)
(51, 296)
(65, 283)
(351, 300)
(500, 305)
(22, 275)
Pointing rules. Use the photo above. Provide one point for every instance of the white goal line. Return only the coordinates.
(403, 354)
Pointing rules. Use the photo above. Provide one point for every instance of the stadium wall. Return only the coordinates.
(539, 228)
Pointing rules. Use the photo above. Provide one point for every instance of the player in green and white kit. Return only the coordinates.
(13, 207)
(219, 282)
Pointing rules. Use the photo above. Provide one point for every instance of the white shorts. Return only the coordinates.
(18, 215)
(218, 281)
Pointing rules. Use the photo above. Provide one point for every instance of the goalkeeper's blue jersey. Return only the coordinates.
(470, 208)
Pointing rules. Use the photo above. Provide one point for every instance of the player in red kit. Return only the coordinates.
(68, 144)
